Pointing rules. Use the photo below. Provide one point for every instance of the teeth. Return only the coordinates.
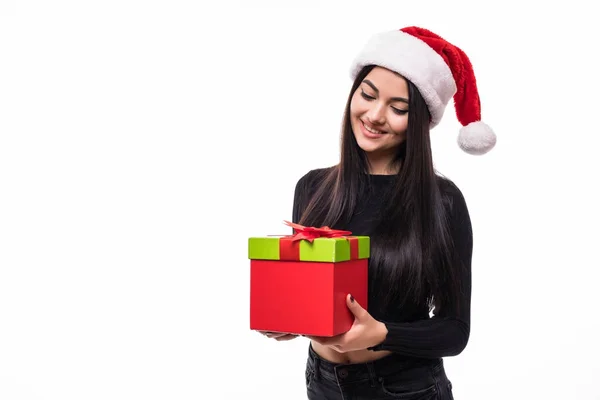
(372, 130)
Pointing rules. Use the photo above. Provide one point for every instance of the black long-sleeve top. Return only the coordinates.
(412, 332)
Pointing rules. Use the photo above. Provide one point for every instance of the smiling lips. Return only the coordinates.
(370, 132)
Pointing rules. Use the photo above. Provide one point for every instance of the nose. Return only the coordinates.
(376, 115)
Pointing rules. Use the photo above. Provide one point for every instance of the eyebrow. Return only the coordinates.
(368, 82)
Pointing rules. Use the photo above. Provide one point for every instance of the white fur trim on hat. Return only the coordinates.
(416, 61)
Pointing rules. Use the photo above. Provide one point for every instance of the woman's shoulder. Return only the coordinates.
(310, 180)
(456, 207)
(451, 194)
(447, 186)
(306, 187)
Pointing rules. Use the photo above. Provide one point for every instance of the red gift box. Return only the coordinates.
(299, 283)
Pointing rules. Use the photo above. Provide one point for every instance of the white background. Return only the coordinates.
(141, 143)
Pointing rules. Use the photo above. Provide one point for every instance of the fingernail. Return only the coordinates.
(351, 299)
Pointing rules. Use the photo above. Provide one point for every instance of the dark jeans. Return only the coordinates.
(391, 377)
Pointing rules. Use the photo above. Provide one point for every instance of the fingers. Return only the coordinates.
(359, 312)
(278, 335)
(272, 335)
(286, 337)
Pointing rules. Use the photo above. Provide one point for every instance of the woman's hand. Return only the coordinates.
(279, 336)
(365, 332)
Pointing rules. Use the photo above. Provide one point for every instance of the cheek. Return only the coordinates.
(356, 106)
(399, 124)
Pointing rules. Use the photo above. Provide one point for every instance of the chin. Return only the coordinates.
(366, 146)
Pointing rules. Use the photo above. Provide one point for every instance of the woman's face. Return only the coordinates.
(378, 112)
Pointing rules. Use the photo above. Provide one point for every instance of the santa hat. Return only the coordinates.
(440, 71)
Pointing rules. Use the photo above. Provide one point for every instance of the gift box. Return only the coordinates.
(299, 283)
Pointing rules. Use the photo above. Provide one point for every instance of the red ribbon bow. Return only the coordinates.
(310, 233)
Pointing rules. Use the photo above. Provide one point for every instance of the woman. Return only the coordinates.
(385, 186)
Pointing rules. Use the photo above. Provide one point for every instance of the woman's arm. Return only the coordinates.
(447, 333)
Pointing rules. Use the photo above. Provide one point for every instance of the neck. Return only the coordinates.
(382, 166)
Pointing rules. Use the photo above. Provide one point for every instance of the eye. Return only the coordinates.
(399, 112)
(366, 96)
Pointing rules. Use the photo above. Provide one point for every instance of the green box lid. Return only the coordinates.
(321, 249)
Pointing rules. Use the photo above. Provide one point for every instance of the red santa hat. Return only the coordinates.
(440, 71)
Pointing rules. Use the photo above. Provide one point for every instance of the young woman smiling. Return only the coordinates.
(385, 186)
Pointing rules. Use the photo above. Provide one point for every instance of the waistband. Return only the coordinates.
(376, 370)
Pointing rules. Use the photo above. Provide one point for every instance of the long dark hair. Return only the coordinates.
(412, 259)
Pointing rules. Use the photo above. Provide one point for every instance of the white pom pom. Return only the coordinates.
(476, 138)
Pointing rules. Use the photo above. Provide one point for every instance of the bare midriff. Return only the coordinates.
(351, 357)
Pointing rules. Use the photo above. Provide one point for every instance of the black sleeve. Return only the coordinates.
(447, 333)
